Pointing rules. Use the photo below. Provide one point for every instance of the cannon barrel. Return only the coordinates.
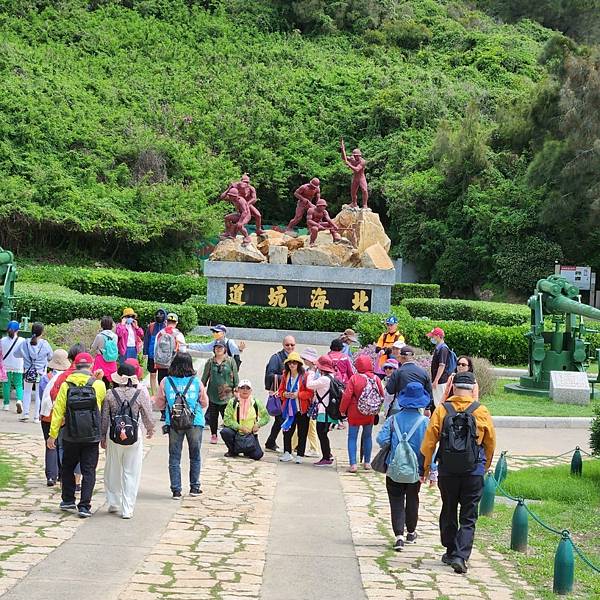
(562, 304)
(6, 257)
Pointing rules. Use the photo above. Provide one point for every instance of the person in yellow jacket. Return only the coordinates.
(80, 412)
(460, 486)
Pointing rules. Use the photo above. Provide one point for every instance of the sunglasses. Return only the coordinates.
(292, 345)
(463, 364)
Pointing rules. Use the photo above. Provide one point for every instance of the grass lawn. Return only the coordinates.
(505, 404)
(6, 472)
(592, 369)
(566, 502)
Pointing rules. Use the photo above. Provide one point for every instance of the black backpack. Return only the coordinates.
(182, 418)
(336, 391)
(82, 417)
(459, 451)
(123, 425)
(236, 357)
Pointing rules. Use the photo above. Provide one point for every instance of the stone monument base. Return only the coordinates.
(302, 286)
(569, 387)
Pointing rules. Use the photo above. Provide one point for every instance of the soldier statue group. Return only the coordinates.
(243, 197)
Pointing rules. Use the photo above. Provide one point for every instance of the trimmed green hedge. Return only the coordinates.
(414, 290)
(500, 345)
(266, 317)
(158, 287)
(493, 313)
(57, 304)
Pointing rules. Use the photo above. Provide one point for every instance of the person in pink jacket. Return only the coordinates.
(349, 406)
(130, 335)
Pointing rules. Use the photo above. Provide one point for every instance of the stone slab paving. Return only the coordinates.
(31, 525)
(417, 573)
(215, 545)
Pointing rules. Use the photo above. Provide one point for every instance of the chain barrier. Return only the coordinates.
(565, 533)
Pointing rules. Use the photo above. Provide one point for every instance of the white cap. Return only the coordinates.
(245, 382)
(398, 344)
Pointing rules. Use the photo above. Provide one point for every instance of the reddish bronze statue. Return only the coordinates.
(305, 194)
(248, 193)
(359, 180)
(236, 222)
(317, 219)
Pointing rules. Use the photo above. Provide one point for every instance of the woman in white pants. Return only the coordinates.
(124, 458)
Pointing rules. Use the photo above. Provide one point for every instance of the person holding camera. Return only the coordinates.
(184, 397)
(130, 336)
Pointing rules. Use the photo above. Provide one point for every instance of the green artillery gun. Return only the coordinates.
(562, 349)
(8, 276)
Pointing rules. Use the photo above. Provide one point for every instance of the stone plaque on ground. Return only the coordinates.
(569, 387)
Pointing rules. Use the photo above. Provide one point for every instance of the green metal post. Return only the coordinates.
(576, 462)
(486, 504)
(520, 528)
(501, 468)
(564, 566)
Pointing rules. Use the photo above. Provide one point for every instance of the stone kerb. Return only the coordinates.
(220, 273)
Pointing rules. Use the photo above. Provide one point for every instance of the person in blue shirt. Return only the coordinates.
(404, 497)
(182, 378)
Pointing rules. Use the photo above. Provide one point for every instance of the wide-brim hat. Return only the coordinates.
(350, 335)
(60, 360)
(129, 312)
(325, 364)
(294, 357)
(414, 396)
(309, 354)
(125, 379)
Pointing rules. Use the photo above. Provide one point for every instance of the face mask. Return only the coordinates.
(129, 320)
(434, 342)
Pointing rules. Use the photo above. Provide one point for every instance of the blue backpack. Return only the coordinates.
(404, 467)
(452, 361)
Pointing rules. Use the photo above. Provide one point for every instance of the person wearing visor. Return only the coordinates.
(219, 332)
(244, 416)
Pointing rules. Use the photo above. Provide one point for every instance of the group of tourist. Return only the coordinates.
(433, 428)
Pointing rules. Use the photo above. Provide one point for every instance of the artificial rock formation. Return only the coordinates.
(375, 257)
(362, 227)
(326, 255)
(233, 250)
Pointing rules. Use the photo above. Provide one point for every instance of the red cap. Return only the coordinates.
(325, 364)
(136, 365)
(83, 358)
(437, 331)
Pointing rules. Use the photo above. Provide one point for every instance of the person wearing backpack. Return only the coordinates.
(13, 365)
(403, 433)
(443, 363)
(295, 399)
(184, 397)
(361, 402)
(467, 440)
(328, 395)
(169, 341)
(78, 403)
(105, 349)
(122, 437)
(152, 329)
(130, 335)
(35, 352)
(244, 416)
(220, 376)
(384, 344)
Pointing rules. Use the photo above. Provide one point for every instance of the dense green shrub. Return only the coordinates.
(595, 432)
(265, 317)
(493, 313)
(172, 289)
(44, 273)
(414, 290)
(56, 304)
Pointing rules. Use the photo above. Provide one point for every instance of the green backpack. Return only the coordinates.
(110, 352)
(404, 467)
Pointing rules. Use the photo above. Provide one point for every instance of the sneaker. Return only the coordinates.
(177, 495)
(311, 454)
(126, 516)
(36, 420)
(352, 469)
(230, 455)
(84, 512)
(411, 538)
(458, 564)
(68, 505)
(399, 544)
(324, 462)
(50, 482)
(446, 559)
(274, 448)
(6, 407)
(286, 457)
(213, 439)
(24, 419)
(298, 460)
(19, 407)
(113, 509)
(367, 466)
(195, 491)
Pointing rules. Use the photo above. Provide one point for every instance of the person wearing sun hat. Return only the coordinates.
(404, 497)
(245, 414)
(78, 449)
(389, 366)
(309, 356)
(348, 338)
(295, 399)
(124, 463)
(130, 335)
(320, 381)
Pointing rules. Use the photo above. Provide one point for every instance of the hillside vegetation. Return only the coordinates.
(122, 121)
